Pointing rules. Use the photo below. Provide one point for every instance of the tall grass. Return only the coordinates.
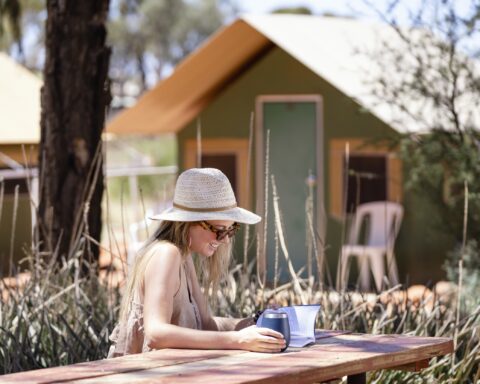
(62, 318)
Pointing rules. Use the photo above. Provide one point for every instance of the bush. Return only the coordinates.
(470, 273)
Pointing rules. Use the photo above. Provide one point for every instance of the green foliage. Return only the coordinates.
(151, 36)
(439, 163)
(21, 27)
(148, 37)
(444, 166)
(429, 74)
(294, 10)
(470, 272)
(10, 13)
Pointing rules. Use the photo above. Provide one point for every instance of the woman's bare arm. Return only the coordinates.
(160, 285)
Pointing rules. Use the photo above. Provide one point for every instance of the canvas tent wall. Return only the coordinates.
(19, 138)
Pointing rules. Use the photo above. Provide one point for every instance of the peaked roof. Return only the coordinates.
(19, 103)
(333, 48)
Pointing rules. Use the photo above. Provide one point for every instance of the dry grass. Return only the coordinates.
(58, 318)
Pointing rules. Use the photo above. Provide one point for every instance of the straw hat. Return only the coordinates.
(205, 194)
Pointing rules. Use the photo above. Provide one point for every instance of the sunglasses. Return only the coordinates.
(221, 233)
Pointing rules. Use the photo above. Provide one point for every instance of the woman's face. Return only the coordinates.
(204, 241)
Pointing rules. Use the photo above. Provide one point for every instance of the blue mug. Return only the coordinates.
(278, 321)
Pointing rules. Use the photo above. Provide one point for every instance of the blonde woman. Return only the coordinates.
(163, 305)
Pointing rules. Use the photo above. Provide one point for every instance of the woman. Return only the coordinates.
(163, 305)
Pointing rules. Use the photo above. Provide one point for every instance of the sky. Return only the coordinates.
(317, 6)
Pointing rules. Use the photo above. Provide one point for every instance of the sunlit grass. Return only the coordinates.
(64, 317)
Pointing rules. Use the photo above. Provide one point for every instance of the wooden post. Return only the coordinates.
(361, 378)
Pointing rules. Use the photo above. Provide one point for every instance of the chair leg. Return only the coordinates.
(364, 272)
(378, 268)
(392, 269)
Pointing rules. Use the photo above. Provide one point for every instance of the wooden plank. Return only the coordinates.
(117, 365)
(330, 358)
(325, 333)
(413, 367)
(188, 372)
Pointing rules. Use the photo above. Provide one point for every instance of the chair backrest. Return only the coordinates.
(380, 222)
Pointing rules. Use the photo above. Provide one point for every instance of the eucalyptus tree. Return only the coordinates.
(74, 98)
(149, 37)
(432, 75)
(10, 14)
(430, 72)
(22, 31)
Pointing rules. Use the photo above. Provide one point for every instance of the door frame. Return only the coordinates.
(260, 165)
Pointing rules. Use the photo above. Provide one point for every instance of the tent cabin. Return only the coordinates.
(19, 138)
(306, 83)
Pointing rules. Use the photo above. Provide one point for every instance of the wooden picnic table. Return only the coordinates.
(333, 356)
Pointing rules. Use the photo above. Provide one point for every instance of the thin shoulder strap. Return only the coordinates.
(188, 285)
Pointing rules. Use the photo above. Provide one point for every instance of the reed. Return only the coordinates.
(246, 236)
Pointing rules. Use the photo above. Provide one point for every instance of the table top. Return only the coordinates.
(332, 356)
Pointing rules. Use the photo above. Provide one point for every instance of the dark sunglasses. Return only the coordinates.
(221, 233)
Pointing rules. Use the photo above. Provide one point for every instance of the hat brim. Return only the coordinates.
(238, 215)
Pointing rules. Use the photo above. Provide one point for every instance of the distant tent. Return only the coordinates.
(19, 127)
(19, 103)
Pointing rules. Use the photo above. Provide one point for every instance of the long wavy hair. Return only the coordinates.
(213, 270)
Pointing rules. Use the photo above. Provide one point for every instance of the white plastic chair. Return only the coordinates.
(381, 221)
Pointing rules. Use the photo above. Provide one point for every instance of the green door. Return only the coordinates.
(295, 141)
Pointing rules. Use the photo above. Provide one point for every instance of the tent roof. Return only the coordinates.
(177, 99)
(19, 103)
(333, 48)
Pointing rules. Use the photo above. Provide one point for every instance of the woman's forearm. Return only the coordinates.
(164, 335)
(173, 336)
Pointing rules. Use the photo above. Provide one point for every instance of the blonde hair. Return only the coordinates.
(213, 269)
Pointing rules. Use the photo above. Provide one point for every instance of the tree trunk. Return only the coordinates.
(74, 98)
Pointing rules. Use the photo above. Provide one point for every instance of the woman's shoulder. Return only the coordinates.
(164, 246)
(164, 252)
(162, 265)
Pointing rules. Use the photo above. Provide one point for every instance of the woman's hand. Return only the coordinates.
(257, 339)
